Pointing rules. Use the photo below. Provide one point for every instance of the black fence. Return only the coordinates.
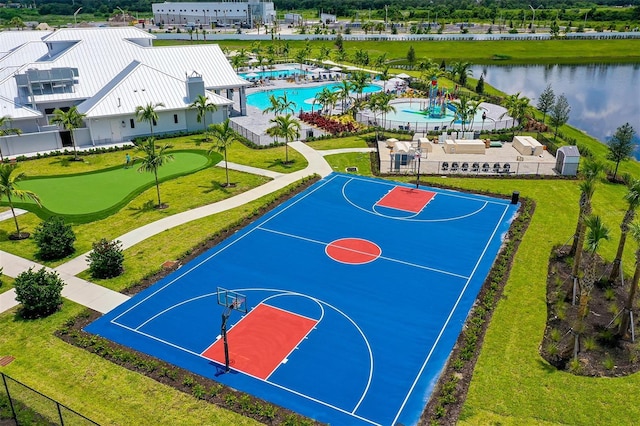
(26, 406)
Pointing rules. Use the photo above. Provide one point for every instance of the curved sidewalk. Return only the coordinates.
(102, 299)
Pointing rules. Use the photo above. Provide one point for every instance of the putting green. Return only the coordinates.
(100, 193)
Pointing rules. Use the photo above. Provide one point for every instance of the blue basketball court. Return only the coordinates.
(356, 292)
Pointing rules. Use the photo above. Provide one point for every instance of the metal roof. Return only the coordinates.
(140, 84)
(15, 111)
(9, 40)
(101, 54)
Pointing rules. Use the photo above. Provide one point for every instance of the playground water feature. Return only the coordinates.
(302, 97)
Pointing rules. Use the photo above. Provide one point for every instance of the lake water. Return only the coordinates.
(602, 97)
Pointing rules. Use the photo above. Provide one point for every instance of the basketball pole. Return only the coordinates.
(419, 153)
(225, 317)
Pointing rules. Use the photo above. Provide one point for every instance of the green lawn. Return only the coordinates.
(181, 194)
(340, 162)
(478, 52)
(98, 193)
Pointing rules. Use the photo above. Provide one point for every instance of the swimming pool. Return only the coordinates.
(411, 112)
(302, 97)
(282, 73)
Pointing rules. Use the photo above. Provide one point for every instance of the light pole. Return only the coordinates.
(533, 20)
(75, 23)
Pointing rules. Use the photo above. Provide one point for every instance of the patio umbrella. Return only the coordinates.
(252, 75)
(403, 75)
(253, 61)
(335, 69)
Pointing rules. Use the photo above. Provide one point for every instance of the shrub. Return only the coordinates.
(105, 261)
(39, 292)
(54, 239)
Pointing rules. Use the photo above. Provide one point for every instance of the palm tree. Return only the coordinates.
(381, 103)
(223, 136)
(148, 113)
(279, 104)
(360, 80)
(204, 107)
(8, 188)
(286, 126)
(238, 61)
(623, 330)
(597, 232)
(462, 70)
(462, 111)
(517, 107)
(69, 120)
(384, 76)
(591, 171)
(587, 189)
(6, 131)
(344, 93)
(153, 159)
(632, 197)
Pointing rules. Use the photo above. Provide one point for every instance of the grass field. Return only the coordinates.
(97, 194)
(478, 52)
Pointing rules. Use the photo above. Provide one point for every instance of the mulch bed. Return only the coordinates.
(601, 353)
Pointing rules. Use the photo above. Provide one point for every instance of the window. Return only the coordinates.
(175, 118)
(132, 123)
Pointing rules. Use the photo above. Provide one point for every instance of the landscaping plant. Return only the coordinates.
(54, 239)
(105, 261)
(39, 292)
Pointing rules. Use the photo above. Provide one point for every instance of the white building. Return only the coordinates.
(106, 73)
(247, 13)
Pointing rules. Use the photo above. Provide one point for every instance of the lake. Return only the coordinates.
(602, 96)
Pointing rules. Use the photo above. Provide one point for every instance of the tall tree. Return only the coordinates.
(621, 146)
(5, 130)
(344, 93)
(597, 232)
(559, 114)
(411, 56)
(9, 178)
(204, 107)
(223, 136)
(625, 323)
(360, 80)
(148, 113)
(545, 101)
(69, 120)
(632, 197)
(517, 108)
(152, 159)
(591, 173)
(287, 127)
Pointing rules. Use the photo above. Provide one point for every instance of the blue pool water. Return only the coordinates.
(411, 112)
(302, 97)
(272, 73)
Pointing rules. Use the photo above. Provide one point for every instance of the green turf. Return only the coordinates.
(93, 193)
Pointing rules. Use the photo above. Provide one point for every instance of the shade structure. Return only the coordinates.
(403, 75)
(335, 69)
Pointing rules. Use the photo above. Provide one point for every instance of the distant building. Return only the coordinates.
(328, 18)
(293, 18)
(247, 13)
(106, 73)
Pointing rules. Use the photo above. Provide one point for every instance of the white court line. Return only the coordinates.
(316, 322)
(402, 262)
(205, 260)
(283, 293)
(411, 218)
(464, 289)
(448, 192)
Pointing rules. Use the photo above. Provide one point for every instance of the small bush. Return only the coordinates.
(39, 292)
(54, 239)
(105, 261)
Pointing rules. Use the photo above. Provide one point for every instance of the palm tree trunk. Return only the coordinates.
(576, 235)
(155, 172)
(577, 259)
(628, 306)
(15, 218)
(615, 267)
(226, 166)
(73, 142)
(286, 150)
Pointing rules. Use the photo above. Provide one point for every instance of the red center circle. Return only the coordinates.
(354, 251)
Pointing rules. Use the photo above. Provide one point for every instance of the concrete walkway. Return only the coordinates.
(7, 215)
(102, 299)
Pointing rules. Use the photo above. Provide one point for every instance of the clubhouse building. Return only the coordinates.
(245, 13)
(106, 73)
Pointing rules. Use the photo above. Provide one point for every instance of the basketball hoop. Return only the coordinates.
(231, 300)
